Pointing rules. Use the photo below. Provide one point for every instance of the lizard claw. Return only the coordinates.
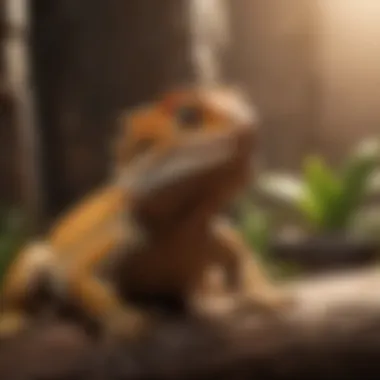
(274, 302)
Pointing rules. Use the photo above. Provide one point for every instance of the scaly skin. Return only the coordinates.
(178, 162)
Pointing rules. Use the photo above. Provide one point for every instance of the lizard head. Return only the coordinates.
(192, 147)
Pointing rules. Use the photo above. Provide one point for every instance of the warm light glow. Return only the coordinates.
(353, 13)
(210, 34)
(349, 59)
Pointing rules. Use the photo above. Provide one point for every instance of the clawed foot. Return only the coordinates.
(216, 306)
(274, 302)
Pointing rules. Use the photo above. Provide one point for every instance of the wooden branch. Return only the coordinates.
(334, 332)
(21, 84)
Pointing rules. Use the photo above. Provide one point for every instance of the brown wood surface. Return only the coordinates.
(333, 331)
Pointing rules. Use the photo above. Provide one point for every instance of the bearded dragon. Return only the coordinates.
(157, 222)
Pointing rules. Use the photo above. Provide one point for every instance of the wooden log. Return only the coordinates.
(332, 332)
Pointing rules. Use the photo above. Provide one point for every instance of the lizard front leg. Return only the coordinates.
(206, 297)
(101, 303)
(98, 298)
(245, 274)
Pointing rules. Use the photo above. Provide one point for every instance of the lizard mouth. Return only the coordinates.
(189, 160)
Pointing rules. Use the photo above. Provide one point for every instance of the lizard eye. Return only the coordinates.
(190, 116)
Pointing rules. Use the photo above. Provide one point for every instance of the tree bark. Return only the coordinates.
(333, 331)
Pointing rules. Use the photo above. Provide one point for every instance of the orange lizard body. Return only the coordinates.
(179, 161)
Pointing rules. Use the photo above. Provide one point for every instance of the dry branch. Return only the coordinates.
(333, 331)
(21, 84)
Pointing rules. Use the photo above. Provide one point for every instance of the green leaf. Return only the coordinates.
(373, 184)
(280, 187)
(322, 189)
(366, 223)
(255, 228)
(368, 149)
(12, 236)
(356, 178)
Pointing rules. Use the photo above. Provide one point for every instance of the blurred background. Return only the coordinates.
(69, 67)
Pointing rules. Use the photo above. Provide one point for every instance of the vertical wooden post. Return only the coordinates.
(20, 84)
(210, 35)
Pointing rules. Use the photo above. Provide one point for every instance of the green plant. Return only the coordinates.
(256, 226)
(12, 236)
(328, 201)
